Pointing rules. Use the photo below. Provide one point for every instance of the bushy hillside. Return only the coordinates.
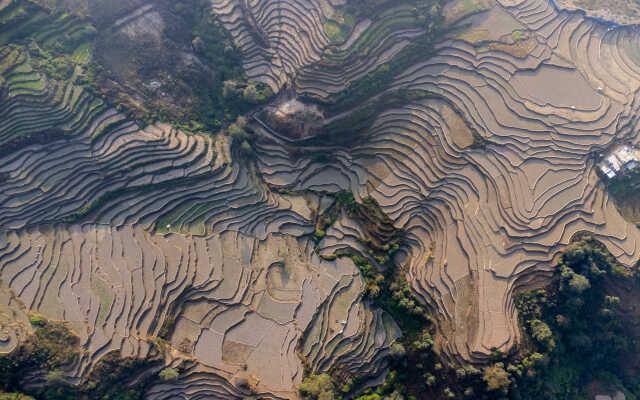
(286, 199)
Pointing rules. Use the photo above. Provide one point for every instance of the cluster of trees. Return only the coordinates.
(251, 92)
(52, 347)
(207, 93)
(241, 137)
(574, 335)
(577, 332)
(229, 94)
(324, 387)
(318, 387)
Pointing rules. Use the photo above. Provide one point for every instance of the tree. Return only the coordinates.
(235, 130)
(496, 377)
(395, 395)
(542, 333)
(611, 301)
(168, 374)
(424, 342)
(431, 380)
(579, 283)
(251, 94)
(55, 377)
(230, 88)
(317, 387)
(397, 350)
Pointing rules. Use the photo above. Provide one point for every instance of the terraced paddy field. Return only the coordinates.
(494, 216)
(626, 12)
(473, 126)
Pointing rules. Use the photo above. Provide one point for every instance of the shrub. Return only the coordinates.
(542, 333)
(397, 350)
(431, 380)
(15, 396)
(317, 387)
(55, 377)
(496, 377)
(579, 283)
(36, 320)
(169, 374)
(424, 342)
(235, 130)
(319, 234)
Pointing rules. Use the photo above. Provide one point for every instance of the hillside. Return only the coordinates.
(196, 190)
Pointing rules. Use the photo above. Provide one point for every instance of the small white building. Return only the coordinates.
(614, 163)
(620, 159)
(607, 171)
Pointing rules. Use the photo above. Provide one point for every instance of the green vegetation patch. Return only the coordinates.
(516, 35)
(580, 336)
(190, 75)
(54, 348)
(51, 347)
(578, 330)
(109, 378)
(339, 28)
(81, 54)
(50, 35)
(473, 6)
(625, 190)
(421, 15)
(332, 29)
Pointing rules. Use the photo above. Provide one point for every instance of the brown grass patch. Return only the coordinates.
(475, 35)
(520, 49)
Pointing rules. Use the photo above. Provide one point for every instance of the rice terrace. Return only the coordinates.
(319, 199)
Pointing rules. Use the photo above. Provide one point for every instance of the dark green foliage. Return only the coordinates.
(587, 336)
(497, 378)
(120, 68)
(53, 348)
(317, 387)
(319, 234)
(573, 337)
(169, 374)
(110, 377)
(221, 99)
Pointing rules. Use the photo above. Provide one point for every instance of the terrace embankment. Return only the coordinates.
(494, 216)
(234, 302)
(622, 12)
(478, 147)
(134, 233)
